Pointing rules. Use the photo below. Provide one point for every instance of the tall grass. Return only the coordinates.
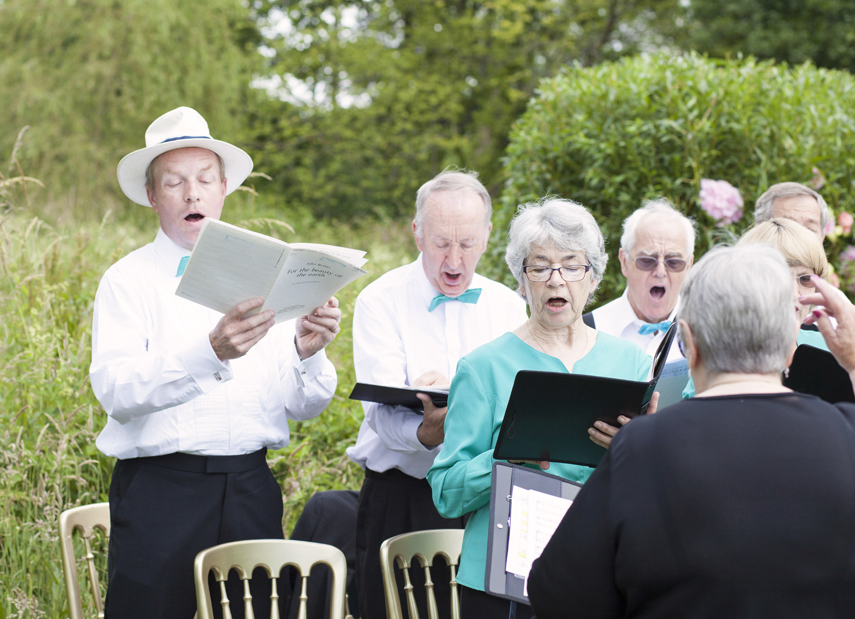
(49, 419)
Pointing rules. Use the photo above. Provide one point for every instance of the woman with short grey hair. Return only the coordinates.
(556, 252)
(736, 503)
(560, 223)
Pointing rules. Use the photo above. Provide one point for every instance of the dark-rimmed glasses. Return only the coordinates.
(569, 273)
(649, 263)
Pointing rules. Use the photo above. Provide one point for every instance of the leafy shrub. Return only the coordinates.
(613, 135)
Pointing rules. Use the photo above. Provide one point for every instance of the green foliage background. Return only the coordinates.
(613, 135)
(373, 98)
(89, 76)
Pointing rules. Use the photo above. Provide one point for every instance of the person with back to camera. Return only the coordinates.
(556, 252)
(805, 257)
(736, 503)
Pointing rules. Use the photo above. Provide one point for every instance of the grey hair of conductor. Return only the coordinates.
(738, 302)
(451, 180)
(663, 209)
(553, 222)
(764, 208)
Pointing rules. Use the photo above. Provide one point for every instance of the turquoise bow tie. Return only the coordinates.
(470, 296)
(182, 265)
(656, 326)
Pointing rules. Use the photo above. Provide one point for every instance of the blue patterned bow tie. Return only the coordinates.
(470, 296)
(182, 265)
(653, 328)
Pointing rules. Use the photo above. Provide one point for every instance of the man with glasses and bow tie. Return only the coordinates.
(410, 327)
(656, 252)
(194, 398)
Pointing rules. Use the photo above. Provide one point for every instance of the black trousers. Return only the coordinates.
(328, 518)
(165, 510)
(479, 604)
(392, 503)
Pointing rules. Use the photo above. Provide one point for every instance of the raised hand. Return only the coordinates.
(236, 332)
(316, 330)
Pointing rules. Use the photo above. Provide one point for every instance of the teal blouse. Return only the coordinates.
(811, 338)
(461, 474)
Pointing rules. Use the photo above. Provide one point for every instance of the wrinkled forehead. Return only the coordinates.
(797, 208)
(182, 159)
(552, 253)
(454, 214)
(661, 237)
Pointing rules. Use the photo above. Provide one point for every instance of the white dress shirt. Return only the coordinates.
(396, 340)
(163, 387)
(618, 318)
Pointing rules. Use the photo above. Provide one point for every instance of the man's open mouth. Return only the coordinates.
(657, 292)
(194, 217)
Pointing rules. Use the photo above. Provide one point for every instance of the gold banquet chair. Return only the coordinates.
(423, 546)
(84, 519)
(271, 555)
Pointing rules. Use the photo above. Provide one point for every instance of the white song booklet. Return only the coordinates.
(230, 265)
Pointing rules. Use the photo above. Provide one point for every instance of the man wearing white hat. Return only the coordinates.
(194, 398)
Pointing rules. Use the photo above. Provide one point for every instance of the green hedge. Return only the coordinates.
(613, 135)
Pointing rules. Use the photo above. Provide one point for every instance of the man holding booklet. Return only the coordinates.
(194, 397)
(410, 327)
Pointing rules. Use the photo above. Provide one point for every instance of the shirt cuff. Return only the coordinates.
(311, 367)
(410, 431)
(203, 365)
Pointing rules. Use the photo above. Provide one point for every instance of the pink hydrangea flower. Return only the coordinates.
(848, 254)
(845, 221)
(721, 201)
(818, 181)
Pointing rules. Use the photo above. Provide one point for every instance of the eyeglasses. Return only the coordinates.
(649, 263)
(569, 273)
(805, 281)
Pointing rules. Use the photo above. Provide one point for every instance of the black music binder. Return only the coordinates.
(399, 396)
(549, 413)
(816, 371)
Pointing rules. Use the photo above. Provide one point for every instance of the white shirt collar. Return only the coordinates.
(168, 252)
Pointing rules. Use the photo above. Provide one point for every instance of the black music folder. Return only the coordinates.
(399, 396)
(549, 413)
(816, 372)
(535, 524)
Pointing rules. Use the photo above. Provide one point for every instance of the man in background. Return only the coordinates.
(656, 253)
(793, 201)
(410, 327)
(194, 398)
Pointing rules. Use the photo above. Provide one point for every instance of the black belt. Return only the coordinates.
(391, 474)
(208, 464)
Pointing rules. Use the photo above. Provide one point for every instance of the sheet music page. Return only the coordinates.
(230, 265)
(675, 368)
(308, 280)
(356, 257)
(534, 518)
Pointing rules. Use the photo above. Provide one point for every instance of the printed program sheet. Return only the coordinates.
(534, 518)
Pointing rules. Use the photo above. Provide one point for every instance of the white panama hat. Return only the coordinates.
(183, 127)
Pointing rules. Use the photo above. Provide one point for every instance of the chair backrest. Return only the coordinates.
(271, 555)
(423, 546)
(84, 519)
